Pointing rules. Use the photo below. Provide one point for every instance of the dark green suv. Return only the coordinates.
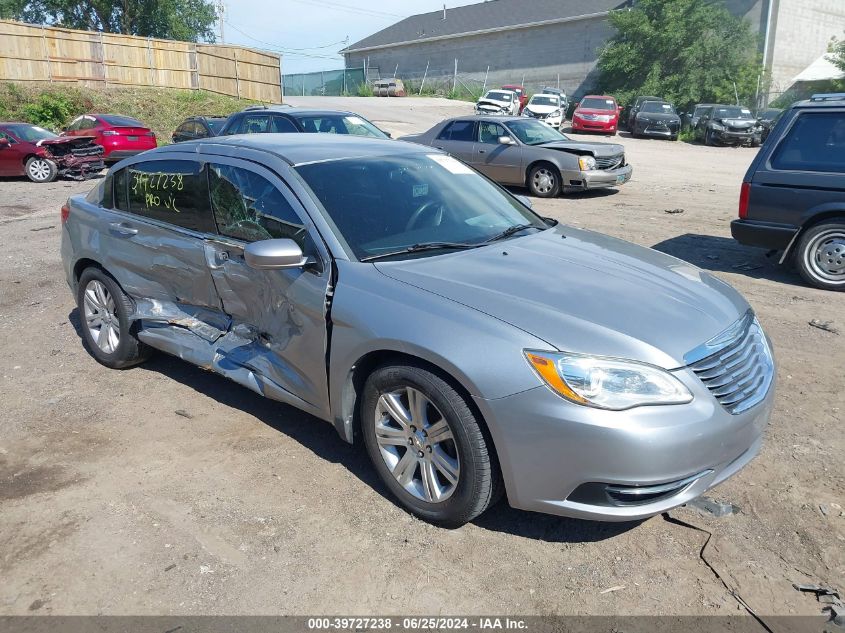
(793, 195)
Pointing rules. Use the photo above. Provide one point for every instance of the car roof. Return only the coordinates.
(297, 149)
(305, 112)
(207, 116)
(598, 97)
(832, 100)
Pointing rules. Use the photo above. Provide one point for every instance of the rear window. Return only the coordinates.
(216, 124)
(815, 142)
(458, 131)
(121, 121)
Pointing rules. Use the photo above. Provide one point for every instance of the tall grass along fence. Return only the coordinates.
(36, 53)
(326, 83)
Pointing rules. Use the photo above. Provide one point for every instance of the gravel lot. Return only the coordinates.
(167, 490)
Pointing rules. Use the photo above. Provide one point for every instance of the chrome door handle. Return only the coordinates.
(122, 228)
(482, 151)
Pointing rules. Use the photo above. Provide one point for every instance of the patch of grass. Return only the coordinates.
(687, 136)
(365, 90)
(162, 109)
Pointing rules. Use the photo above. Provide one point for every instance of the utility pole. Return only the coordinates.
(221, 12)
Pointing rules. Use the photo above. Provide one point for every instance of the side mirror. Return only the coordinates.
(524, 200)
(506, 140)
(274, 255)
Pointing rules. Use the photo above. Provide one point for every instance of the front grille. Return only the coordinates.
(739, 372)
(90, 150)
(610, 162)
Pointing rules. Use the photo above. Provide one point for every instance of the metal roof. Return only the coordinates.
(485, 17)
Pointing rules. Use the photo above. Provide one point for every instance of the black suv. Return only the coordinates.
(284, 119)
(793, 195)
(196, 127)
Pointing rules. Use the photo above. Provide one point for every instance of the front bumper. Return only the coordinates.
(735, 138)
(775, 237)
(585, 125)
(657, 131)
(553, 453)
(597, 179)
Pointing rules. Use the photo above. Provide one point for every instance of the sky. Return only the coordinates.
(309, 33)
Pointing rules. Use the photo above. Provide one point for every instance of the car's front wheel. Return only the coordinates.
(39, 169)
(544, 181)
(820, 255)
(427, 445)
(106, 328)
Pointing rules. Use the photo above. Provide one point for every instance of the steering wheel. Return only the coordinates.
(431, 205)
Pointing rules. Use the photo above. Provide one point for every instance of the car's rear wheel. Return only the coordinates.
(820, 255)
(104, 310)
(544, 181)
(427, 445)
(39, 169)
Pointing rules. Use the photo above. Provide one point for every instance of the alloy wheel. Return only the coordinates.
(101, 317)
(417, 444)
(825, 255)
(39, 169)
(544, 180)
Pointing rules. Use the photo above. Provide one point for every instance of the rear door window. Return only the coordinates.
(458, 131)
(172, 191)
(283, 125)
(815, 142)
(254, 124)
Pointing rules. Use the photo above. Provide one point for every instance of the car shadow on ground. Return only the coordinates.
(723, 254)
(322, 440)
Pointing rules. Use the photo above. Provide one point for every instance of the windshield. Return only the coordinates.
(340, 124)
(31, 133)
(215, 125)
(383, 204)
(592, 103)
(497, 95)
(532, 132)
(655, 106)
(543, 100)
(769, 114)
(732, 113)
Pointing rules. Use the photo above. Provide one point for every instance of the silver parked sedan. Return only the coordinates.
(524, 152)
(475, 348)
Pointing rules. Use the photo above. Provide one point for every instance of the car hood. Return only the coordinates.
(541, 109)
(740, 123)
(584, 292)
(610, 113)
(658, 116)
(492, 103)
(598, 150)
(67, 140)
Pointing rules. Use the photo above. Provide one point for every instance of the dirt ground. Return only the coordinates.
(167, 490)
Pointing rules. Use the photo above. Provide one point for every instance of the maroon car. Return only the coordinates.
(32, 151)
(121, 136)
(520, 92)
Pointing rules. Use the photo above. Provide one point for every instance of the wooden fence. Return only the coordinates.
(35, 53)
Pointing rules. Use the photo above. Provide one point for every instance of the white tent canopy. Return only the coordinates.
(820, 70)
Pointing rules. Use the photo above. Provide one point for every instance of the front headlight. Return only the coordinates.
(555, 113)
(587, 163)
(717, 126)
(607, 383)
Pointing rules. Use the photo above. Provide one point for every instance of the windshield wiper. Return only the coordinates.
(510, 231)
(418, 248)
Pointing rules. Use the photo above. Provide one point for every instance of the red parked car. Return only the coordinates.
(520, 92)
(120, 136)
(596, 113)
(31, 151)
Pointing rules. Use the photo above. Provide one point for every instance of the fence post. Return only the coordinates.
(237, 74)
(483, 90)
(46, 55)
(425, 74)
(455, 77)
(103, 60)
(153, 77)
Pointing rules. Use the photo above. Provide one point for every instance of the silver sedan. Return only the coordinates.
(477, 349)
(524, 152)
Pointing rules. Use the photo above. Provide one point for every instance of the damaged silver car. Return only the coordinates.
(476, 348)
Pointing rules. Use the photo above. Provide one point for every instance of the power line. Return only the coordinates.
(294, 52)
(326, 4)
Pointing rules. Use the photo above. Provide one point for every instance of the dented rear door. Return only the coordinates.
(278, 336)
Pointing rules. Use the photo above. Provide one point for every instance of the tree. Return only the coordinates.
(687, 51)
(188, 20)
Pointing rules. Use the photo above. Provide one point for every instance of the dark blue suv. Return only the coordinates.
(793, 195)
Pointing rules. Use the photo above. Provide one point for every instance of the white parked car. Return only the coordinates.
(504, 102)
(546, 108)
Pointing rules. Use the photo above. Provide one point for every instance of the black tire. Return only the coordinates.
(129, 351)
(551, 172)
(755, 142)
(479, 483)
(708, 138)
(40, 169)
(674, 137)
(822, 247)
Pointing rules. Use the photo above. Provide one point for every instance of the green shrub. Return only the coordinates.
(687, 136)
(365, 90)
(52, 109)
